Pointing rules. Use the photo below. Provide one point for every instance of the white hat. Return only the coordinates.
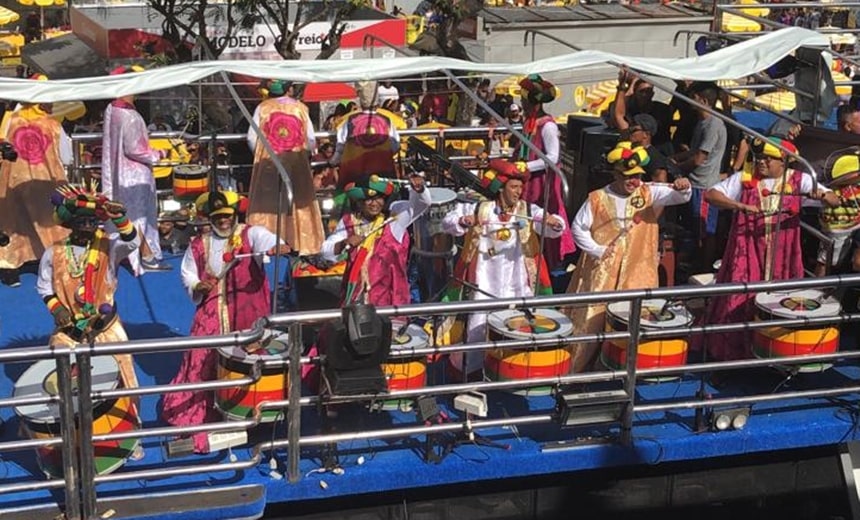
(514, 108)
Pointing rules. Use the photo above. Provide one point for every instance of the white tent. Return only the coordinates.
(733, 62)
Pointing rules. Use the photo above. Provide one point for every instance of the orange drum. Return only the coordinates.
(190, 181)
(515, 364)
(406, 373)
(42, 421)
(656, 314)
(776, 342)
(238, 403)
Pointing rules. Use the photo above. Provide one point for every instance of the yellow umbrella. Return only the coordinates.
(599, 96)
(735, 23)
(71, 110)
(42, 3)
(779, 101)
(8, 16)
(509, 86)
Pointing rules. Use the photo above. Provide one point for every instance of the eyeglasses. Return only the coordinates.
(763, 158)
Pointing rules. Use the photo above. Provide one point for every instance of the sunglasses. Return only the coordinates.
(763, 158)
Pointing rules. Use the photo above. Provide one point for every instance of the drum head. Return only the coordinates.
(41, 379)
(656, 314)
(439, 196)
(190, 170)
(413, 337)
(810, 303)
(470, 196)
(271, 348)
(515, 324)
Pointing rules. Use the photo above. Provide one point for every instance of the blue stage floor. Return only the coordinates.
(157, 306)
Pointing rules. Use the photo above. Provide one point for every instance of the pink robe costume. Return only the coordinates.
(753, 244)
(127, 177)
(376, 271)
(369, 141)
(238, 299)
(555, 249)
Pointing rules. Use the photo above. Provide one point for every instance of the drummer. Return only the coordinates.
(375, 241)
(77, 277)
(764, 241)
(501, 250)
(618, 234)
(842, 223)
(223, 273)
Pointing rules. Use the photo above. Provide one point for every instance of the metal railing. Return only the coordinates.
(80, 481)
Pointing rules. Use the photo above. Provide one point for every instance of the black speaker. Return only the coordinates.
(597, 141)
(575, 127)
(355, 348)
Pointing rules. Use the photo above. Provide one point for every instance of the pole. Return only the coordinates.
(294, 410)
(633, 326)
(67, 433)
(85, 434)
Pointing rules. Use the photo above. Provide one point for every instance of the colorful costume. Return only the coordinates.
(240, 296)
(127, 161)
(376, 269)
(81, 281)
(287, 127)
(756, 251)
(366, 142)
(25, 184)
(618, 236)
(500, 254)
(542, 131)
(842, 223)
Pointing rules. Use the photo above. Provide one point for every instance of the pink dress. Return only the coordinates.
(752, 244)
(244, 292)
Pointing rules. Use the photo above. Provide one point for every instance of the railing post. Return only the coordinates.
(633, 326)
(67, 433)
(85, 435)
(294, 410)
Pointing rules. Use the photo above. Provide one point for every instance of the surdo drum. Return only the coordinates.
(503, 364)
(190, 181)
(236, 362)
(776, 342)
(656, 314)
(405, 373)
(42, 421)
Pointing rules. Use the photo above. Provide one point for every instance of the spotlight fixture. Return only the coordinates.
(575, 409)
(729, 419)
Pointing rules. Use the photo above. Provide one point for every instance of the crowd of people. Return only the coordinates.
(688, 173)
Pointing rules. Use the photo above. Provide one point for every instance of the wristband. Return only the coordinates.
(53, 304)
(123, 225)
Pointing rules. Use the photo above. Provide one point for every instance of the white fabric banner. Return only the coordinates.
(734, 62)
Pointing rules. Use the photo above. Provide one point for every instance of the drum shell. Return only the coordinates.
(502, 364)
(776, 342)
(650, 354)
(427, 229)
(189, 182)
(238, 403)
(109, 416)
(406, 373)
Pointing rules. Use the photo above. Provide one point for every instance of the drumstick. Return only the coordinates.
(371, 232)
(767, 193)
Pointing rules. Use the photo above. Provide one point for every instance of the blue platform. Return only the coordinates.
(156, 305)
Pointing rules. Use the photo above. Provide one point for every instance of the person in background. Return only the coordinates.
(325, 176)
(848, 119)
(636, 96)
(224, 276)
(618, 234)
(764, 241)
(842, 223)
(286, 125)
(127, 160)
(33, 166)
(501, 250)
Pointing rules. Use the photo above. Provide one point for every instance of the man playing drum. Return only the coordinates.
(501, 250)
(223, 273)
(764, 241)
(366, 140)
(617, 231)
(842, 223)
(127, 161)
(77, 277)
(375, 241)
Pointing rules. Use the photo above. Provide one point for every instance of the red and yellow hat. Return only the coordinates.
(71, 201)
(214, 203)
(627, 159)
(767, 147)
(500, 171)
(845, 170)
(368, 187)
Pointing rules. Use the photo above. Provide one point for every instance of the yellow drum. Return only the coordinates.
(177, 154)
(238, 403)
(775, 342)
(406, 373)
(190, 181)
(515, 364)
(42, 421)
(656, 314)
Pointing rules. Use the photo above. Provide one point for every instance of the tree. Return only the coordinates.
(444, 16)
(188, 23)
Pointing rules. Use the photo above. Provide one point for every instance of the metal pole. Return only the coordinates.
(633, 327)
(294, 410)
(67, 433)
(85, 435)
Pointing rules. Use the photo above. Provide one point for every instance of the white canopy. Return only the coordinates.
(733, 62)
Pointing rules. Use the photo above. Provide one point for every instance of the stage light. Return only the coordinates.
(575, 409)
(729, 419)
(355, 348)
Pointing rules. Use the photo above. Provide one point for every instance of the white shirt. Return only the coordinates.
(260, 238)
(661, 195)
(549, 134)
(403, 213)
(384, 93)
(732, 186)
